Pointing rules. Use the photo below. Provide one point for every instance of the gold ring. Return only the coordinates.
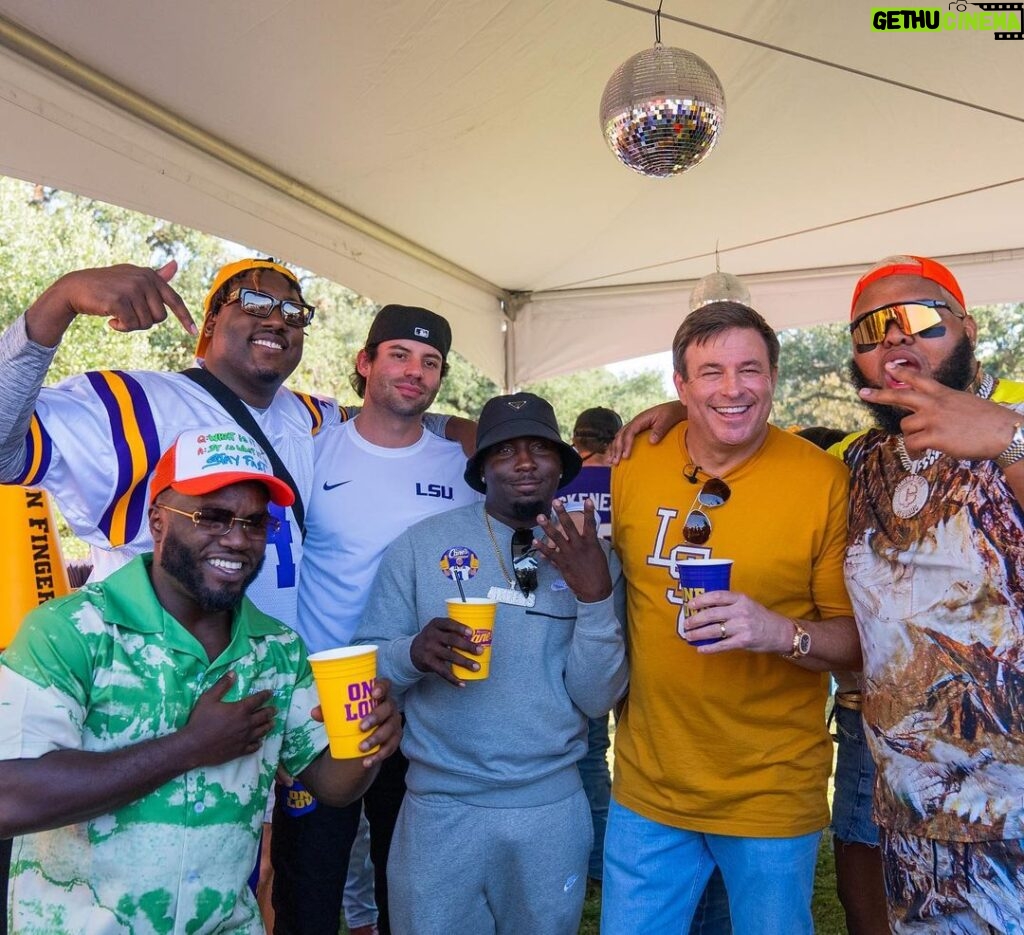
(722, 627)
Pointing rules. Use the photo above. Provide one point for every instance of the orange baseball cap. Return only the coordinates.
(204, 460)
(227, 272)
(909, 266)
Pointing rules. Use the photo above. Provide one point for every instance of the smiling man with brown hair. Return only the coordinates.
(721, 752)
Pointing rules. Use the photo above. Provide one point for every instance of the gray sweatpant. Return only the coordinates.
(477, 870)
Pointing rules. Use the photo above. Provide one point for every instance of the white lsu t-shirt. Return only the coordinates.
(363, 496)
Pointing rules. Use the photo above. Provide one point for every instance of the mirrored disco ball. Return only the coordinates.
(719, 287)
(662, 111)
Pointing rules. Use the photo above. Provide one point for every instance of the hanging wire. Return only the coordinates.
(629, 5)
(581, 283)
(657, 23)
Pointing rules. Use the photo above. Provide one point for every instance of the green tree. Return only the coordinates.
(814, 384)
(1001, 339)
(45, 233)
(573, 393)
(465, 389)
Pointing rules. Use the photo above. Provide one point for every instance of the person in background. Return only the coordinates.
(855, 838)
(593, 432)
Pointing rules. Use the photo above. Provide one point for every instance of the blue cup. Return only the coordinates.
(697, 575)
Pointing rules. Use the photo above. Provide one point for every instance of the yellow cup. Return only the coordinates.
(345, 679)
(477, 613)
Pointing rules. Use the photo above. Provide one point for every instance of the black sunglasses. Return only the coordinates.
(524, 560)
(714, 492)
(261, 305)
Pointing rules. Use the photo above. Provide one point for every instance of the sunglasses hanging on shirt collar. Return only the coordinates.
(524, 560)
(714, 492)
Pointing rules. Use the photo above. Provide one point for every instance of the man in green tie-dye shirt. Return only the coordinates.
(142, 719)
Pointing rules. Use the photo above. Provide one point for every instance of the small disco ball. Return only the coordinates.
(719, 287)
(662, 111)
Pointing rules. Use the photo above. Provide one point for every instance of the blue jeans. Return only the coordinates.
(654, 876)
(854, 783)
(597, 784)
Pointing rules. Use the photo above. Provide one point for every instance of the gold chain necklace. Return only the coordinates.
(497, 552)
(912, 491)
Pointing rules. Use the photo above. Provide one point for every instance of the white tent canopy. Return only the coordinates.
(448, 154)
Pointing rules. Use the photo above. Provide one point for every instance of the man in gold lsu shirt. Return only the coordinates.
(722, 754)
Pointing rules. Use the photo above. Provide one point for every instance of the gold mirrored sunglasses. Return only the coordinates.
(912, 318)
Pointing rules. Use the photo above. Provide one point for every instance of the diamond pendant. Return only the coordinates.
(910, 495)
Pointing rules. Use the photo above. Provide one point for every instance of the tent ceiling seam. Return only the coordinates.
(852, 269)
(583, 283)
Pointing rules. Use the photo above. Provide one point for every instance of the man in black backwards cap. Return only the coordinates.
(373, 477)
(494, 832)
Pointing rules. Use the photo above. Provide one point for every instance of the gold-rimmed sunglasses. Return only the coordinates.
(713, 492)
(217, 522)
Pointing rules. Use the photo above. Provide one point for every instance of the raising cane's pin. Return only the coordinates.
(460, 561)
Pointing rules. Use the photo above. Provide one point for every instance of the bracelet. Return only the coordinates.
(1015, 450)
(853, 700)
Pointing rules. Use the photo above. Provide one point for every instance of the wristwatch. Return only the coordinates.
(801, 643)
(1015, 450)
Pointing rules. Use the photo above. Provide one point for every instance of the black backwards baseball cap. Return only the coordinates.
(598, 423)
(409, 323)
(522, 415)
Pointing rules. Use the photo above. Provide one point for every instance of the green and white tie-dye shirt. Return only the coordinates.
(106, 668)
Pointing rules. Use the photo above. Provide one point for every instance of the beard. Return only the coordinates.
(183, 564)
(956, 371)
(269, 377)
(528, 510)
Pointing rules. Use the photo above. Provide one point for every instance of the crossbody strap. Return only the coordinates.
(241, 414)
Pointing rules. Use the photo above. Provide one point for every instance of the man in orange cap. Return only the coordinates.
(933, 568)
(142, 706)
(92, 441)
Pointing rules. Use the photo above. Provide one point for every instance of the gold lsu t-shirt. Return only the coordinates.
(733, 743)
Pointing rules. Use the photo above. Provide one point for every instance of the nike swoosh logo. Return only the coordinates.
(339, 484)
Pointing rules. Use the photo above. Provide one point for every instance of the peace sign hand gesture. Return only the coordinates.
(955, 422)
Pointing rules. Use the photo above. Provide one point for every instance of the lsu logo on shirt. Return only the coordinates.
(440, 491)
